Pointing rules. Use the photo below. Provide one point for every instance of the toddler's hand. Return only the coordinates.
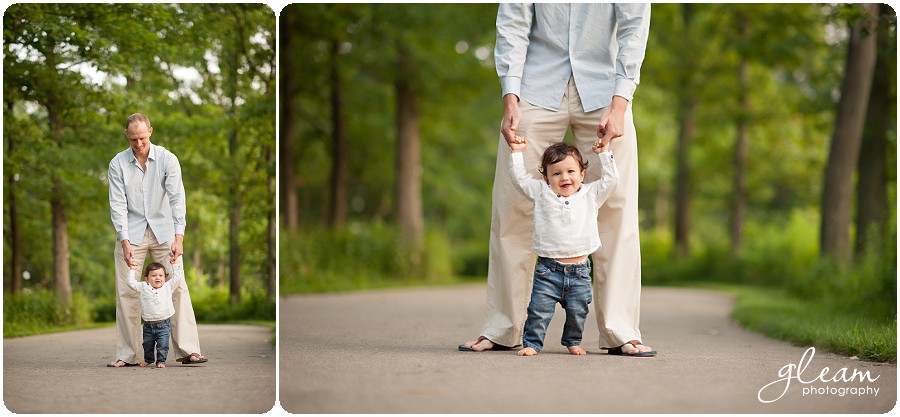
(519, 144)
(598, 148)
(132, 264)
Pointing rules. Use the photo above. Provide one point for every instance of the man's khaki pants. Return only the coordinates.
(185, 339)
(617, 264)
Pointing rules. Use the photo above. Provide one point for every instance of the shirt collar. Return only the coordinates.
(150, 156)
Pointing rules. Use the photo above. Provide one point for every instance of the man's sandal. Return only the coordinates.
(124, 364)
(189, 360)
(619, 351)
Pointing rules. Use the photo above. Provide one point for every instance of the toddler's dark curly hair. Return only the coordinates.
(558, 152)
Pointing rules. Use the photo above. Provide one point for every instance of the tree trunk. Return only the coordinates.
(337, 213)
(409, 165)
(59, 223)
(234, 221)
(15, 281)
(234, 251)
(197, 262)
(871, 192)
(686, 110)
(661, 208)
(286, 173)
(837, 194)
(61, 249)
(740, 148)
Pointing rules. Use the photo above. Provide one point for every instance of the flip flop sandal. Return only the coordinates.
(618, 351)
(110, 365)
(464, 348)
(191, 361)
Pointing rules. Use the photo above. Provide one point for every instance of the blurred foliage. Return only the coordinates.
(361, 256)
(40, 311)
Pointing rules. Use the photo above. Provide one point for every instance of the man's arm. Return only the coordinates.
(175, 191)
(118, 208)
(633, 28)
(513, 28)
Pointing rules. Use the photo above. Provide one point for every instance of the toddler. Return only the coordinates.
(565, 233)
(156, 308)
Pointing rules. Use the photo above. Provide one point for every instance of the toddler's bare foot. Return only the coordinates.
(576, 350)
(144, 364)
(527, 352)
(160, 365)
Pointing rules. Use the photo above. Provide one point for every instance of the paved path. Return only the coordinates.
(67, 373)
(395, 352)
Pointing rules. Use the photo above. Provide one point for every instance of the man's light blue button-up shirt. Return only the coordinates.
(540, 45)
(154, 196)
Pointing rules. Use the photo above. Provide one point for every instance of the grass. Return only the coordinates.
(781, 315)
(33, 331)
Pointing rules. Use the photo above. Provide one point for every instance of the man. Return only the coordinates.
(147, 204)
(562, 66)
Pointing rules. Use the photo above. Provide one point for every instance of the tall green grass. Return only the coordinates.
(40, 312)
(361, 256)
(790, 292)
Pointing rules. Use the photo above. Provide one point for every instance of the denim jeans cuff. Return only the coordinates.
(529, 345)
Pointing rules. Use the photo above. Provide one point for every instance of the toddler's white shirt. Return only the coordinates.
(156, 303)
(565, 227)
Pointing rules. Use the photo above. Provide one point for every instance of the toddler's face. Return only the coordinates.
(157, 278)
(565, 177)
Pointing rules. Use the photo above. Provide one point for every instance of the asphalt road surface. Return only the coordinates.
(67, 373)
(395, 351)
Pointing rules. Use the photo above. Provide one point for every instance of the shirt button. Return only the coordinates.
(567, 203)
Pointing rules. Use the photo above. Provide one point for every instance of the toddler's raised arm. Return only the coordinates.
(609, 177)
(177, 276)
(133, 280)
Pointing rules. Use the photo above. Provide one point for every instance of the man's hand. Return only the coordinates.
(177, 249)
(128, 253)
(612, 122)
(511, 117)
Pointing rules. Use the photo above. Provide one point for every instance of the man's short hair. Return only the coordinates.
(137, 117)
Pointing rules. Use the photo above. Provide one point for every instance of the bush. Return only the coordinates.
(361, 256)
(786, 256)
(35, 312)
(215, 306)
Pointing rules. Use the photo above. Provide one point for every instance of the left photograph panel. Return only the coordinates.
(139, 198)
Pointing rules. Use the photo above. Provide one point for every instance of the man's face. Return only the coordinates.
(157, 278)
(138, 134)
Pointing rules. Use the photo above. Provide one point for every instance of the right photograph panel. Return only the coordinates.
(587, 208)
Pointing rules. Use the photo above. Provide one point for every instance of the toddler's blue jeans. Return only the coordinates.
(156, 334)
(566, 284)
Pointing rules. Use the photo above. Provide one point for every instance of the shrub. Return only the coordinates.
(39, 311)
(361, 256)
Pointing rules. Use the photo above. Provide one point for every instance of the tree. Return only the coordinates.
(871, 192)
(687, 107)
(739, 206)
(837, 195)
